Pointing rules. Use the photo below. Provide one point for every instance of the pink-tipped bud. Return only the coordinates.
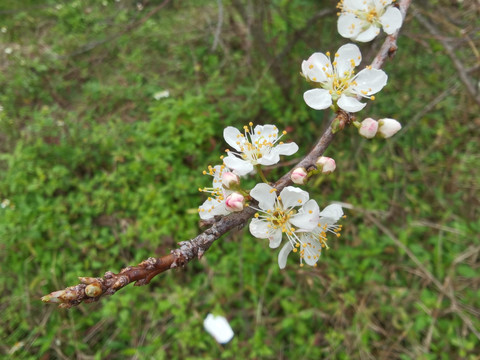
(388, 127)
(368, 128)
(230, 179)
(326, 164)
(234, 202)
(299, 176)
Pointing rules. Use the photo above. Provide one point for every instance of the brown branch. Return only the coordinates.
(389, 47)
(93, 289)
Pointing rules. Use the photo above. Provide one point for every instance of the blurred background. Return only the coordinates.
(110, 110)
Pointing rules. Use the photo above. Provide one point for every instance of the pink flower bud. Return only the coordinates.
(234, 202)
(388, 127)
(299, 176)
(326, 164)
(230, 179)
(369, 128)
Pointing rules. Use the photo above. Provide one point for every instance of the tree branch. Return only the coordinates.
(93, 289)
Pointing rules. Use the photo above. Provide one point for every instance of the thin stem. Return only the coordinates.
(258, 168)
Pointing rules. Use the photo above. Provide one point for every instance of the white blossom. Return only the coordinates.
(337, 82)
(259, 146)
(310, 244)
(215, 204)
(361, 20)
(290, 213)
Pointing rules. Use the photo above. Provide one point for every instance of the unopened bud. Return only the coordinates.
(230, 180)
(337, 125)
(54, 297)
(93, 290)
(299, 176)
(326, 164)
(368, 128)
(234, 202)
(388, 127)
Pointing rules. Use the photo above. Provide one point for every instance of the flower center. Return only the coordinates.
(216, 191)
(371, 15)
(338, 83)
(310, 245)
(280, 217)
(255, 145)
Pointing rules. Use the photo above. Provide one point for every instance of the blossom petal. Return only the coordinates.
(381, 4)
(218, 170)
(330, 215)
(287, 149)
(259, 228)
(349, 26)
(312, 252)
(350, 104)
(317, 67)
(270, 159)
(267, 132)
(391, 20)
(232, 136)
(275, 238)
(238, 166)
(264, 195)
(355, 5)
(370, 81)
(368, 35)
(346, 54)
(318, 99)
(333, 211)
(293, 196)
(274, 156)
(212, 207)
(307, 218)
(283, 255)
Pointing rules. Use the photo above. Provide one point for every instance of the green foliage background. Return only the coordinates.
(101, 175)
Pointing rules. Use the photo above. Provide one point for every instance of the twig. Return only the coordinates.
(298, 33)
(462, 72)
(93, 289)
(447, 292)
(218, 30)
(92, 45)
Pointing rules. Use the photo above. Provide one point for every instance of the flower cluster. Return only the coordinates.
(289, 214)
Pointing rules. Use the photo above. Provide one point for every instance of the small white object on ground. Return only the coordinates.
(161, 94)
(219, 328)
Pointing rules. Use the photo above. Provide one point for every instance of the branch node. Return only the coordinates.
(392, 51)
